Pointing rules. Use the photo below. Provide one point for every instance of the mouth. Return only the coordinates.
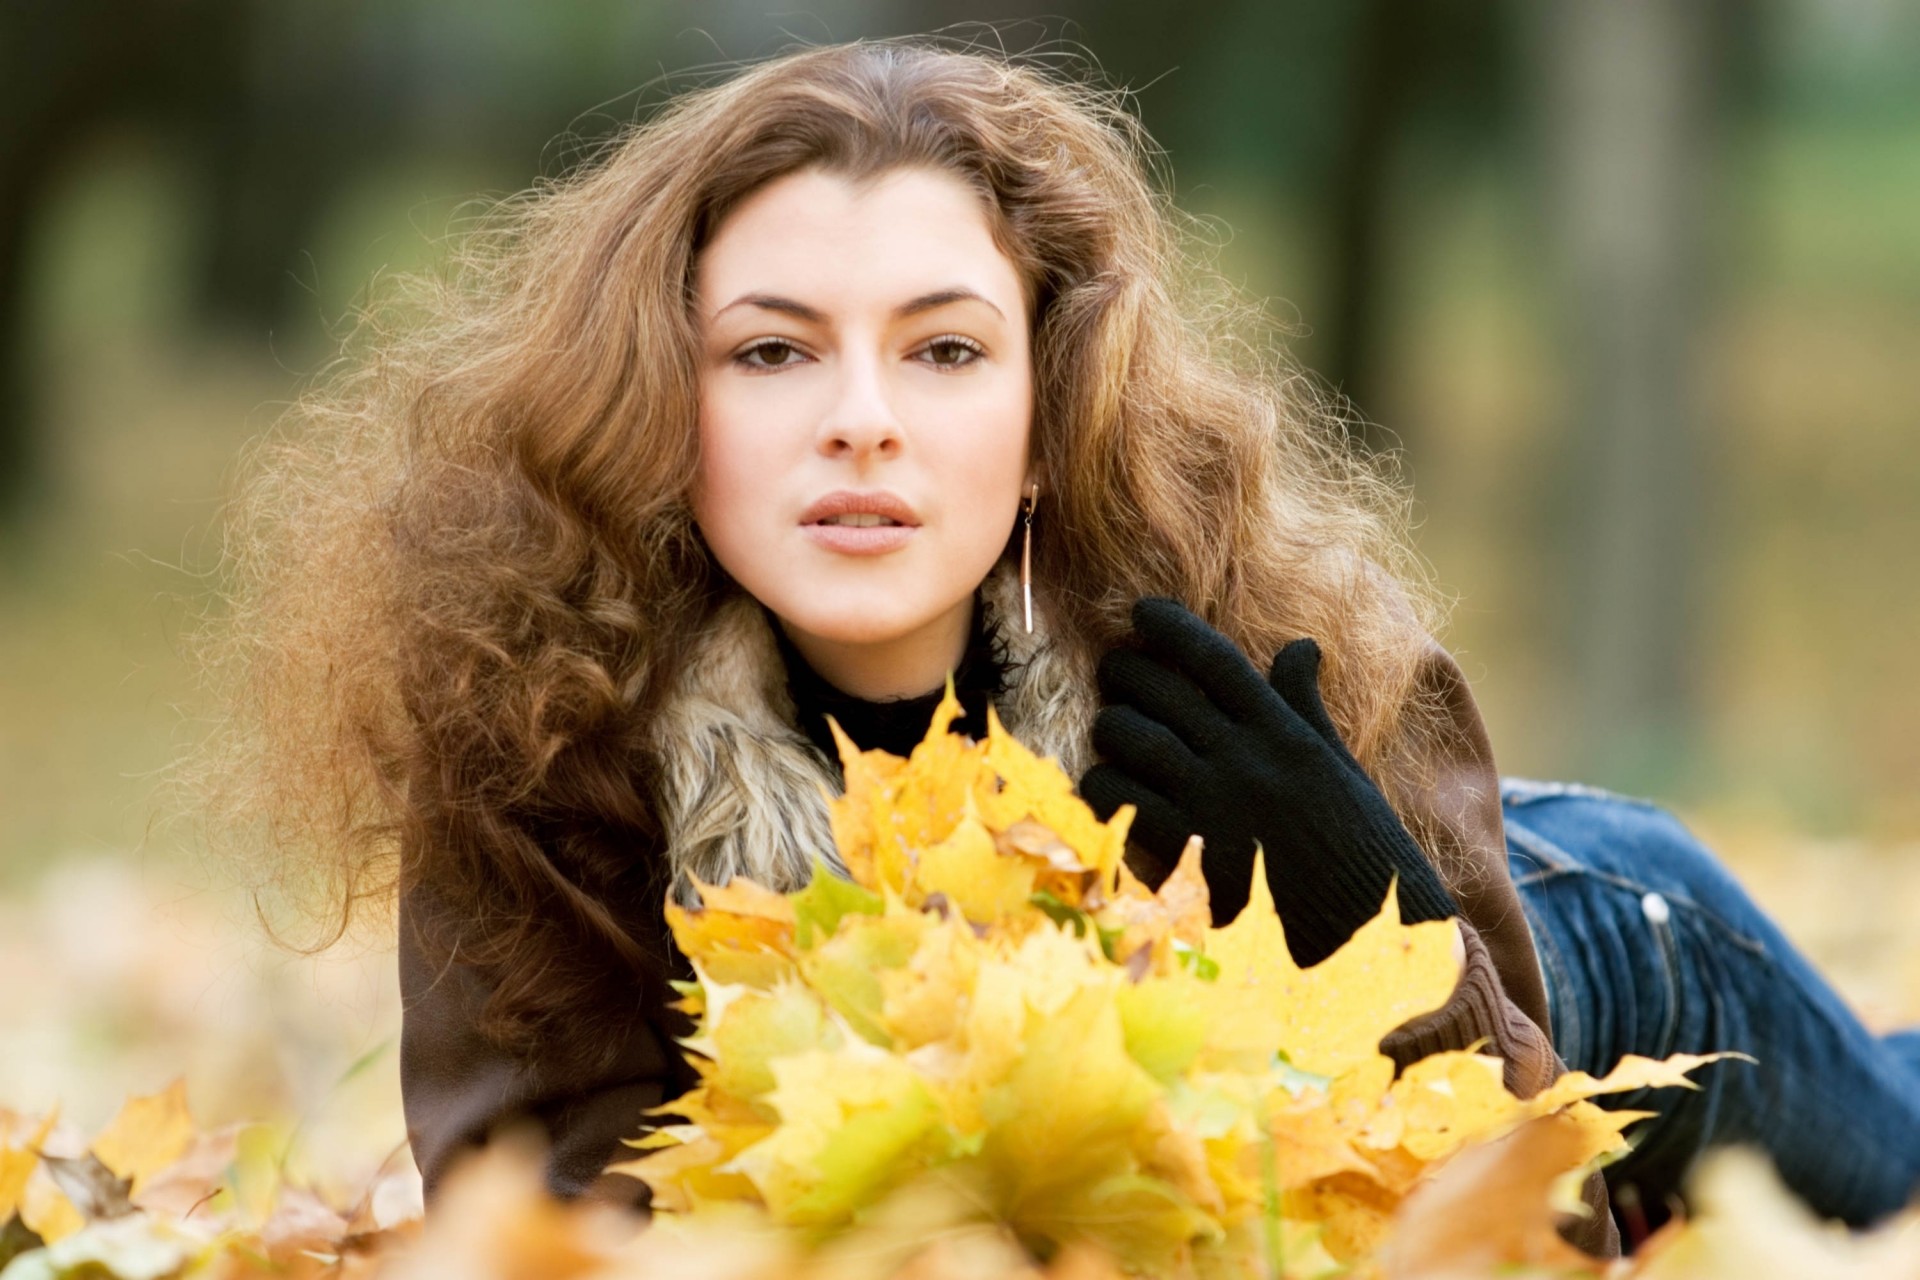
(858, 520)
(847, 509)
(847, 523)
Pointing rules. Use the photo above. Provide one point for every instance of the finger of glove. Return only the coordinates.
(1105, 789)
(1159, 826)
(1148, 751)
(1295, 676)
(1128, 677)
(1173, 634)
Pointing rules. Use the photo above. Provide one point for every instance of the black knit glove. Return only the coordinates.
(1198, 742)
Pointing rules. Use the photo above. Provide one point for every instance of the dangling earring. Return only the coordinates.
(1026, 558)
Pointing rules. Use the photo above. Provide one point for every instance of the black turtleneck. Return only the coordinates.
(896, 724)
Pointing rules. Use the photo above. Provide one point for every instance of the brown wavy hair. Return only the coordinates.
(464, 568)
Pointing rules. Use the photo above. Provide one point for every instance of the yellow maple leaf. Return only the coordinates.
(944, 770)
(1310, 1143)
(861, 814)
(1064, 1123)
(1331, 1017)
(46, 1210)
(1442, 1101)
(893, 808)
(1176, 1153)
(148, 1134)
(846, 969)
(971, 873)
(847, 1119)
(17, 1163)
(687, 1171)
(758, 1027)
(925, 1000)
(1631, 1072)
(1176, 916)
(1035, 789)
(1352, 1211)
(742, 931)
(1164, 1018)
(987, 1043)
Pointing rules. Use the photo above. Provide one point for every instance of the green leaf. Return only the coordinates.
(366, 1060)
(829, 897)
(1164, 1025)
(1198, 963)
(845, 968)
(1060, 913)
(17, 1238)
(869, 1151)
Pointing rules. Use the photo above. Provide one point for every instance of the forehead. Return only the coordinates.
(832, 241)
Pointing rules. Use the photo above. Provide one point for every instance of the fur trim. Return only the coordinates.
(742, 790)
(1049, 699)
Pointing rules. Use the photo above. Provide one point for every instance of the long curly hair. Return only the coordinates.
(463, 570)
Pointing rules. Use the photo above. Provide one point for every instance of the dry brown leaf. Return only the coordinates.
(89, 1186)
(494, 1220)
(184, 1186)
(301, 1222)
(1490, 1210)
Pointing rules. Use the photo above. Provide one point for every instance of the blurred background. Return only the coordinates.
(1633, 286)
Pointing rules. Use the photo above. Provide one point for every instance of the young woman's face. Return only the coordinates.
(865, 405)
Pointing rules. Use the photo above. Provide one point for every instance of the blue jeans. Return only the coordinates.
(1649, 946)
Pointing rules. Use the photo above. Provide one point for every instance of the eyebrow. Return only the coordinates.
(912, 307)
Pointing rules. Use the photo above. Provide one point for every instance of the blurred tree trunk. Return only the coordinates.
(19, 451)
(1627, 93)
(302, 108)
(67, 66)
(1382, 65)
(60, 65)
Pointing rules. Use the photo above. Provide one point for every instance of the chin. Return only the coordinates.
(873, 616)
(863, 623)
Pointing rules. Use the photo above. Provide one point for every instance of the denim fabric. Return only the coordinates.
(1649, 946)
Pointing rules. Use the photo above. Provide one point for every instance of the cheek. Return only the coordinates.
(982, 469)
(706, 462)
(992, 444)
(751, 432)
(723, 478)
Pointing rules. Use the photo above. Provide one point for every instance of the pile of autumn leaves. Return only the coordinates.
(152, 1197)
(988, 1052)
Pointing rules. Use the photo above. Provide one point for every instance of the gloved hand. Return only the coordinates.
(1198, 742)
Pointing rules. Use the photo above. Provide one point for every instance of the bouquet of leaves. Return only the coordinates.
(989, 1012)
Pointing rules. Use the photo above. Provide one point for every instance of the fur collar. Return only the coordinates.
(742, 790)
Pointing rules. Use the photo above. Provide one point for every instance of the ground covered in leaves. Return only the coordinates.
(985, 1052)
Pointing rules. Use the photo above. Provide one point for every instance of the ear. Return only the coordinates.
(1036, 475)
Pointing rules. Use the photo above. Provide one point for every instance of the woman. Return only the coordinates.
(874, 363)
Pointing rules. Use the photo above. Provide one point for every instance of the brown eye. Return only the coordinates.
(769, 353)
(952, 352)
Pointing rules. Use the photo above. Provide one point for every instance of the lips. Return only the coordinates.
(860, 524)
(846, 508)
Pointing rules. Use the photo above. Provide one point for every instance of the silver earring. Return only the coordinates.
(1026, 559)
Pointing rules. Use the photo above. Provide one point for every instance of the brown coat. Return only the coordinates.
(591, 1090)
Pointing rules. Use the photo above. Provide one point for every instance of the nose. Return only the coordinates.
(860, 423)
